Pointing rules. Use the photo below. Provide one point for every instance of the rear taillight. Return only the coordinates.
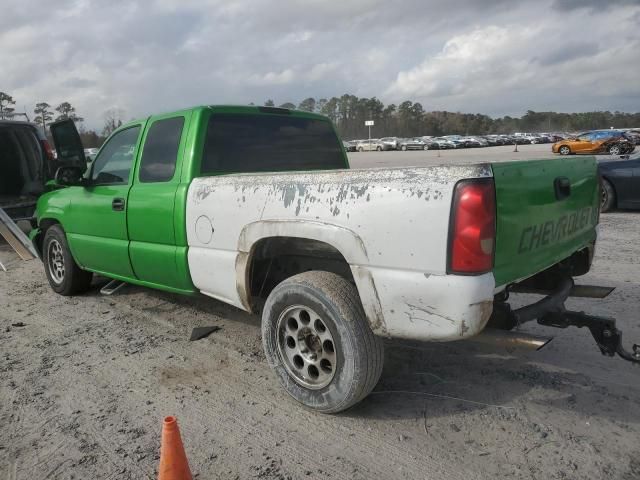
(47, 150)
(472, 231)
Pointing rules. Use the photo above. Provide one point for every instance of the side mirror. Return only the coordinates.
(69, 176)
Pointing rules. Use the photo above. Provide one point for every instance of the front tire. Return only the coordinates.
(317, 339)
(608, 196)
(63, 273)
(564, 150)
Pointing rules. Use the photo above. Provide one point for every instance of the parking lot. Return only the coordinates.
(503, 153)
(85, 382)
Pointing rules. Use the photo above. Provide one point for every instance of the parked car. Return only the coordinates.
(620, 184)
(412, 144)
(26, 164)
(517, 139)
(633, 136)
(493, 140)
(473, 142)
(595, 142)
(372, 145)
(349, 146)
(392, 142)
(441, 143)
(90, 154)
(456, 140)
(256, 207)
(531, 139)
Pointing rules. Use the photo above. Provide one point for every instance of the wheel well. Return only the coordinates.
(275, 259)
(44, 224)
(613, 187)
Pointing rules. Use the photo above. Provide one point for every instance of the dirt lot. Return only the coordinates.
(85, 382)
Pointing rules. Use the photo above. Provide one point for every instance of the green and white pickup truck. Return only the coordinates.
(257, 207)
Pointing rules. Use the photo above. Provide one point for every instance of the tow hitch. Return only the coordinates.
(551, 312)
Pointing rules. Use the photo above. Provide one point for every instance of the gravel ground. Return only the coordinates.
(86, 381)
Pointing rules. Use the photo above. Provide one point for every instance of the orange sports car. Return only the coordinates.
(613, 142)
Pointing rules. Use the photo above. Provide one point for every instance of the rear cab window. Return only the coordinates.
(160, 151)
(260, 142)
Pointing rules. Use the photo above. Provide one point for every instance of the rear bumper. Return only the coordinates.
(422, 306)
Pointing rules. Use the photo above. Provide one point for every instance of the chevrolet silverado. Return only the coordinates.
(257, 207)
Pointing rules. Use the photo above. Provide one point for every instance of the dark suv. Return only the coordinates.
(26, 164)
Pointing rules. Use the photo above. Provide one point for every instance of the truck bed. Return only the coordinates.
(391, 225)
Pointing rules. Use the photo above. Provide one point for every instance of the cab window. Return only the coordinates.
(238, 143)
(113, 164)
(160, 153)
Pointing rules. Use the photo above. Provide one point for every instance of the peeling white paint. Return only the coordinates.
(402, 215)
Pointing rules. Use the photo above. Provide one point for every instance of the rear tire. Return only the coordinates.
(379, 149)
(317, 340)
(564, 150)
(63, 273)
(403, 148)
(608, 196)
(614, 150)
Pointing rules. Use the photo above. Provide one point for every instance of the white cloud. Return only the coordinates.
(495, 56)
(271, 78)
(541, 65)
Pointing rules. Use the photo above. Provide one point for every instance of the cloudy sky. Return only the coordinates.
(494, 56)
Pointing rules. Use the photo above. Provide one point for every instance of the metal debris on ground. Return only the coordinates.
(112, 287)
(16, 238)
(199, 333)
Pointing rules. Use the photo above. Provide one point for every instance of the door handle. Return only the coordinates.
(117, 204)
(562, 187)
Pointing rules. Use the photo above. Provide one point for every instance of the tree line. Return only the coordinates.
(410, 119)
(349, 112)
(45, 114)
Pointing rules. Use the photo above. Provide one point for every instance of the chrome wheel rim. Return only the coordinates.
(564, 150)
(306, 347)
(55, 261)
(603, 197)
(614, 150)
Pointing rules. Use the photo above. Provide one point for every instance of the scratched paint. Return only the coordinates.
(401, 214)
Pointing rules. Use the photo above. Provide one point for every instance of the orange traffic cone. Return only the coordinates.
(173, 460)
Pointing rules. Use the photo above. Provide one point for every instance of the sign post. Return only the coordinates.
(369, 123)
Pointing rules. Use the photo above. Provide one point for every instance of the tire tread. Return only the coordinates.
(345, 298)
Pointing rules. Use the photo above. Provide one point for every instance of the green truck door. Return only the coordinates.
(97, 222)
(151, 215)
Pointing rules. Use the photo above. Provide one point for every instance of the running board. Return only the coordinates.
(112, 287)
(16, 238)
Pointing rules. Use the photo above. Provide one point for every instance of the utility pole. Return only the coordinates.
(369, 123)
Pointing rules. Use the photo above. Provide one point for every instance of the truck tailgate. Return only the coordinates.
(546, 210)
